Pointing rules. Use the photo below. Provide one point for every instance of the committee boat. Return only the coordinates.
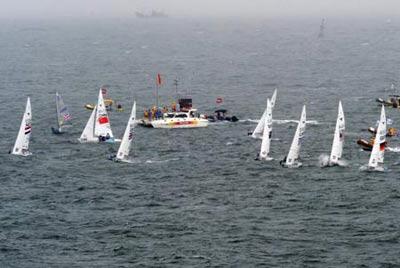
(186, 117)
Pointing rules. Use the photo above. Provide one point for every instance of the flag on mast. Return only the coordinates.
(159, 80)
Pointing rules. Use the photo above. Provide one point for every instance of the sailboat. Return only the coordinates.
(267, 134)
(21, 146)
(258, 131)
(63, 115)
(292, 159)
(338, 139)
(129, 134)
(98, 128)
(88, 132)
(378, 149)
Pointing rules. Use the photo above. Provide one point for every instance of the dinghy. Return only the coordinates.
(98, 128)
(21, 146)
(338, 139)
(88, 132)
(63, 115)
(292, 159)
(378, 149)
(267, 134)
(258, 131)
(129, 134)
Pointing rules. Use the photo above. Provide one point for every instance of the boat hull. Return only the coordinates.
(56, 131)
(25, 153)
(180, 123)
(293, 165)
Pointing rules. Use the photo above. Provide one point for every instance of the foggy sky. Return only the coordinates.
(197, 8)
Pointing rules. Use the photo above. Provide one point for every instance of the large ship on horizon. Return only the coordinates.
(152, 14)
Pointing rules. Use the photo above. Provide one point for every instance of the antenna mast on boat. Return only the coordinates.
(321, 29)
(176, 83)
(159, 82)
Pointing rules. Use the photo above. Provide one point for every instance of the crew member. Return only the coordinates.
(282, 162)
(173, 106)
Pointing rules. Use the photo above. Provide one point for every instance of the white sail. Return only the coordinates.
(102, 123)
(21, 146)
(124, 148)
(338, 139)
(88, 132)
(62, 112)
(378, 148)
(258, 131)
(267, 134)
(293, 156)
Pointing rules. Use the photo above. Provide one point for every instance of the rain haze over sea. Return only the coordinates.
(196, 197)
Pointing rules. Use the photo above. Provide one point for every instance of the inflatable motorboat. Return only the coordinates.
(393, 101)
(220, 115)
(107, 102)
(391, 132)
(367, 145)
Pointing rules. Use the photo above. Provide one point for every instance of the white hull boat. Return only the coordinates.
(188, 119)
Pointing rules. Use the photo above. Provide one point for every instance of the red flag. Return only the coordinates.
(103, 120)
(382, 146)
(103, 91)
(159, 80)
(219, 100)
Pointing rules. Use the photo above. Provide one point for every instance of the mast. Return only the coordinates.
(158, 85)
(176, 82)
(321, 29)
(58, 113)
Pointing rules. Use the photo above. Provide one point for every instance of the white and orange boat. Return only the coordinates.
(189, 119)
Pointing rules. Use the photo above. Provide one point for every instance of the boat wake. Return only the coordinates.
(368, 169)
(131, 161)
(160, 161)
(282, 121)
(393, 149)
(140, 161)
(323, 161)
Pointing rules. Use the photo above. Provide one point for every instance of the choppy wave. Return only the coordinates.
(155, 161)
(368, 169)
(393, 149)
